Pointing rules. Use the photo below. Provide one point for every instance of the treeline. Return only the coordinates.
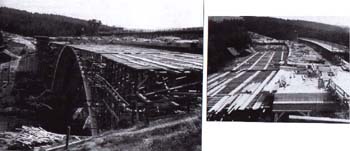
(227, 32)
(290, 29)
(31, 24)
(222, 35)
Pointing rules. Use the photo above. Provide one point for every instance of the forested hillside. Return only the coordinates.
(31, 24)
(290, 29)
(224, 34)
(227, 32)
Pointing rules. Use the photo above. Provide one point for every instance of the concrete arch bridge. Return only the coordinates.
(94, 88)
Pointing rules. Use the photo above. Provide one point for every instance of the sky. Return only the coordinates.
(132, 14)
(140, 14)
(333, 20)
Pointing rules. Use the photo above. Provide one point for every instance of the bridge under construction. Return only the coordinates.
(283, 81)
(94, 87)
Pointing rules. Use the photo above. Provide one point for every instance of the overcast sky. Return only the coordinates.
(144, 14)
(333, 20)
(141, 14)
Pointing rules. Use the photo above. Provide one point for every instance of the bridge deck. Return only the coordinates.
(146, 58)
(327, 45)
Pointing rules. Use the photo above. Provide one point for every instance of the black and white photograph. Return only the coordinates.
(111, 75)
(174, 75)
(278, 69)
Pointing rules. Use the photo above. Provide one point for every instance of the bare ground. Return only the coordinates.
(171, 134)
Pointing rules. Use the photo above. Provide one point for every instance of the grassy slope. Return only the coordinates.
(172, 134)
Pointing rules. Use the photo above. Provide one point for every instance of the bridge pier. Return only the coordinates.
(46, 60)
(92, 116)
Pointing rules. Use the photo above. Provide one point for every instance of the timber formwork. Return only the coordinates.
(124, 85)
(236, 93)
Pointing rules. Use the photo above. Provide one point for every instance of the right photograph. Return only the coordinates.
(278, 69)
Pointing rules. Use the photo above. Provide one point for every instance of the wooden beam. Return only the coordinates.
(143, 98)
(111, 89)
(110, 110)
(172, 88)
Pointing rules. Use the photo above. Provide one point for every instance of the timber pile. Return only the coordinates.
(239, 87)
(245, 95)
(6, 139)
(30, 137)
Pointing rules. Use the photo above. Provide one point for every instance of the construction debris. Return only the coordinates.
(30, 137)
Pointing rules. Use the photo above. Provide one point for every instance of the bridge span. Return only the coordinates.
(340, 52)
(94, 87)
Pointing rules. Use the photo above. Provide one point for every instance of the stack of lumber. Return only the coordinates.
(244, 95)
(30, 137)
(6, 139)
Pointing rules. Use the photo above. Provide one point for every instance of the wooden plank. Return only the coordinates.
(154, 62)
(251, 67)
(219, 81)
(268, 62)
(258, 103)
(172, 88)
(245, 61)
(257, 91)
(110, 110)
(213, 92)
(178, 63)
(282, 56)
(134, 64)
(186, 61)
(212, 75)
(244, 83)
(221, 104)
(244, 96)
(217, 77)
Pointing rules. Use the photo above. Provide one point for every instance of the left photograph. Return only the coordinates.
(101, 75)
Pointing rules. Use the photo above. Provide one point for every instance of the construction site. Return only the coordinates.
(304, 80)
(54, 87)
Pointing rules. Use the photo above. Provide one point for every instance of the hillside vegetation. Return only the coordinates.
(290, 29)
(225, 32)
(31, 24)
(170, 134)
(222, 35)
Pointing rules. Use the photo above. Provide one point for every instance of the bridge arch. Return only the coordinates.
(70, 93)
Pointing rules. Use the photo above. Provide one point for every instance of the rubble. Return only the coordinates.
(30, 137)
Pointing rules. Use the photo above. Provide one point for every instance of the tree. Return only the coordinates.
(222, 35)
(93, 26)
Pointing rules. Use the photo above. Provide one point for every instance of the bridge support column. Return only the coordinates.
(45, 60)
(93, 124)
(92, 115)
